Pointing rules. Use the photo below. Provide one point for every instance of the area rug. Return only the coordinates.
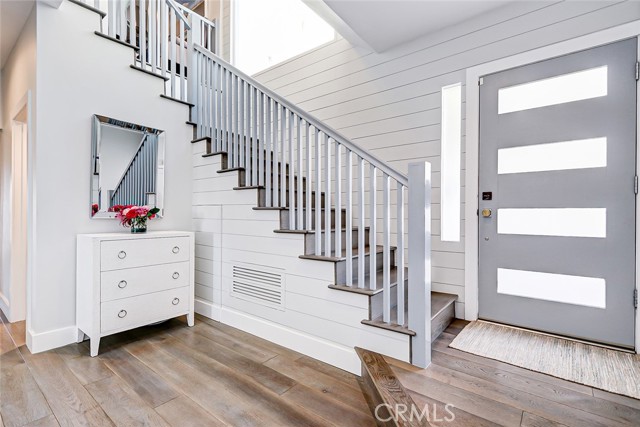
(610, 370)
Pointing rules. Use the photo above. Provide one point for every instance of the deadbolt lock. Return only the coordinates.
(486, 213)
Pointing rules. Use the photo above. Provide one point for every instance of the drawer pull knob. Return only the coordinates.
(175, 301)
(175, 250)
(122, 284)
(175, 275)
(122, 313)
(122, 254)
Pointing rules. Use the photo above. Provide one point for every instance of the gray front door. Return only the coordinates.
(557, 200)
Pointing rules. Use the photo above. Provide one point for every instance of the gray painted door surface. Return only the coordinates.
(557, 201)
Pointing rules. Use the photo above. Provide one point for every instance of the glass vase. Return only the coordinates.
(138, 226)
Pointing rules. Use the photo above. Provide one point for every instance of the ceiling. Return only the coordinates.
(13, 15)
(383, 24)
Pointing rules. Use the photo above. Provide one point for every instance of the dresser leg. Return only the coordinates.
(80, 336)
(190, 319)
(95, 345)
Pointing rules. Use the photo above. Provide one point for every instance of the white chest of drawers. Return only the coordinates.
(126, 280)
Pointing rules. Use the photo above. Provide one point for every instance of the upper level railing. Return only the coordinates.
(165, 33)
(302, 164)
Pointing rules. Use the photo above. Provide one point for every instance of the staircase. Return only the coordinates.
(442, 304)
(362, 226)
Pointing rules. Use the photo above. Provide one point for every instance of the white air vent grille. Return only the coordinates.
(259, 284)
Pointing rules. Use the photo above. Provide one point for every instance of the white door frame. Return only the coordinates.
(473, 74)
(25, 103)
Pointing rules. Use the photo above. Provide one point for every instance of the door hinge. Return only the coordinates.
(637, 70)
(635, 298)
(635, 184)
(481, 80)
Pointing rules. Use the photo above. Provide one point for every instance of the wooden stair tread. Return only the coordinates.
(284, 231)
(393, 279)
(439, 301)
(380, 386)
(113, 39)
(343, 254)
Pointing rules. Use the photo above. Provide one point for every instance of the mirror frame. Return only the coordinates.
(97, 122)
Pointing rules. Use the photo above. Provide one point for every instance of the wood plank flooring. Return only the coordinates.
(170, 375)
(486, 392)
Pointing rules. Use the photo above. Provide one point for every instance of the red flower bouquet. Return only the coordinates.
(135, 216)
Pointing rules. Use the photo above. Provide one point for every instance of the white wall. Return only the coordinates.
(18, 77)
(389, 103)
(80, 74)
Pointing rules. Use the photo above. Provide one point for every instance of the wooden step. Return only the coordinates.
(341, 261)
(388, 400)
(442, 314)
(262, 197)
(310, 237)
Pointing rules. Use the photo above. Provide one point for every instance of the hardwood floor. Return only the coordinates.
(172, 375)
(215, 375)
(486, 392)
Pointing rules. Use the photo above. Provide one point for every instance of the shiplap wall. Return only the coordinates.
(389, 103)
(315, 320)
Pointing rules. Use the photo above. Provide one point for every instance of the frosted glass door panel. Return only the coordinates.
(586, 291)
(554, 222)
(579, 154)
(571, 87)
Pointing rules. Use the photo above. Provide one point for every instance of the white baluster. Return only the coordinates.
(276, 158)
(349, 216)
(361, 222)
(172, 51)
(283, 166)
(261, 143)
(122, 28)
(318, 189)
(338, 214)
(255, 180)
(327, 197)
(386, 247)
(142, 7)
(241, 121)
(400, 254)
(269, 155)
(183, 63)
(374, 229)
(291, 186)
(309, 175)
(132, 22)
(164, 44)
(152, 33)
(299, 225)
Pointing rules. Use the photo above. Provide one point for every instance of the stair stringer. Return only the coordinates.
(316, 321)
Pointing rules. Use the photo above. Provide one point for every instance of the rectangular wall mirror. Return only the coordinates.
(127, 166)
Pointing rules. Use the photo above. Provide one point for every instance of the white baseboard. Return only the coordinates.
(207, 309)
(43, 341)
(323, 350)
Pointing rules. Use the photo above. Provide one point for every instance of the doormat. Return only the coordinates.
(603, 368)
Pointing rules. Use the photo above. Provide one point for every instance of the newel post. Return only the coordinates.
(420, 262)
